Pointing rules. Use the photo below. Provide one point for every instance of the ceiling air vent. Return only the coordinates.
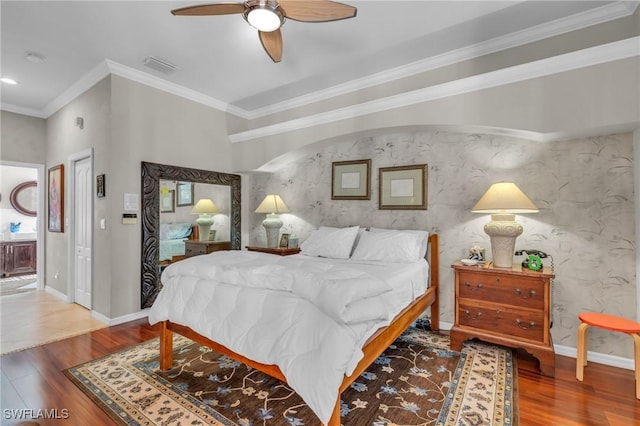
(160, 65)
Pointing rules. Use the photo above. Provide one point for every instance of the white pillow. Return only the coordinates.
(389, 246)
(335, 243)
(355, 243)
(421, 235)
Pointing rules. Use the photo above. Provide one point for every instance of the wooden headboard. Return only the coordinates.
(195, 233)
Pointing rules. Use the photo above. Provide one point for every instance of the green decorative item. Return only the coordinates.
(534, 262)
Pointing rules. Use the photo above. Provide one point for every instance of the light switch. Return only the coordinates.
(103, 224)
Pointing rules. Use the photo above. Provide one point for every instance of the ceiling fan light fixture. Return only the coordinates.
(264, 16)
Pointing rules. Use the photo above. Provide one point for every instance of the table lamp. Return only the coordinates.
(204, 207)
(503, 200)
(272, 205)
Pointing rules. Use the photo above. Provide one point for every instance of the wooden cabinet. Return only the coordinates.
(18, 257)
(506, 306)
(195, 248)
(281, 251)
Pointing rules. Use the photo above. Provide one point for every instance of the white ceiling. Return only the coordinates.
(220, 57)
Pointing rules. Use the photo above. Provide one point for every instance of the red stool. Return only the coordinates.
(607, 322)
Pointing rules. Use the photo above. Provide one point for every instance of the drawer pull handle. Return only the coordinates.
(468, 314)
(532, 293)
(525, 326)
(468, 284)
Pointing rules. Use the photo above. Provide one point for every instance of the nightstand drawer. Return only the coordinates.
(196, 248)
(516, 291)
(509, 321)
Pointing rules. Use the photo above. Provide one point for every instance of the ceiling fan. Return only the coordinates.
(267, 16)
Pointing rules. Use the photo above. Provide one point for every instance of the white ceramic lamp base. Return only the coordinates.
(204, 222)
(272, 225)
(503, 230)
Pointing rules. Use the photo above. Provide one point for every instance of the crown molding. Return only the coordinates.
(539, 32)
(541, 68)
(175, 89)
(21, 110)
(79, 87)
(595, 16)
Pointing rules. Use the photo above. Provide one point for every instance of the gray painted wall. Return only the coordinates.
(583, 187)
(23, 138)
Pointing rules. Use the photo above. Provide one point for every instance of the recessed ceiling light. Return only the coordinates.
(8, 80)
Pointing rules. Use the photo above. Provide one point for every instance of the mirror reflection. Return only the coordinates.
(181, 216)
(152, 174)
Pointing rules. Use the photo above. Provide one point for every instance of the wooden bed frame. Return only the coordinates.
(374, 346)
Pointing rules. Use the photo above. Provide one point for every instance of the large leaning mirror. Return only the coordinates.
(152, 175)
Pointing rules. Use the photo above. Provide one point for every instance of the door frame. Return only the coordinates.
(41, 218)
(71, 178)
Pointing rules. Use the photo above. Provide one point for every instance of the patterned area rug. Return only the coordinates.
(416, 381)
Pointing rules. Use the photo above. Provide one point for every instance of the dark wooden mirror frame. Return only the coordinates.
(151, 175)
(13, 198)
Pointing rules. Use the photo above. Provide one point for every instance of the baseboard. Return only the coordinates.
(56, 293)
(600, 358)
(121, 320)
(610, 360)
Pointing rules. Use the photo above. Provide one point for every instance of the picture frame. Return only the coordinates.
(184, 194)
(351, 180)
(55, 198)
(284, 241)
(168, 201)
(100, 186)
(403, 187)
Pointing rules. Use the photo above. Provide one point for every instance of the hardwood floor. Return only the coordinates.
(33, 379)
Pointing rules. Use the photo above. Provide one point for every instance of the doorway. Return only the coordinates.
(81, 238)
(31, 226)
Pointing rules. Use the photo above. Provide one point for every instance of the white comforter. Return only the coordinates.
(308, 317)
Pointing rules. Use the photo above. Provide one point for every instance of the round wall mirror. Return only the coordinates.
(24, 198)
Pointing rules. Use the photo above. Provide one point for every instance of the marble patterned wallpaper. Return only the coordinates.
(583, 187)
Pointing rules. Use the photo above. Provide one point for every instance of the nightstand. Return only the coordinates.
(282, 251)
(506, 306)
(195, 248)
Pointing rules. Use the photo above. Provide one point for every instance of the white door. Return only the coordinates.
(83, 224)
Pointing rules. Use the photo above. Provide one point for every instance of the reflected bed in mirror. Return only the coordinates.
(152, 175)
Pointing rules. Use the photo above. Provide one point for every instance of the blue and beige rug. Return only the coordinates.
(417, 381)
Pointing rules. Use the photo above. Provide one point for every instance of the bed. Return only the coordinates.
(172, 237)
(280, 315)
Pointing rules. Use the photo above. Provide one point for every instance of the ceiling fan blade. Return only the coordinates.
(316, 10)
(210, 9)
(272, 43)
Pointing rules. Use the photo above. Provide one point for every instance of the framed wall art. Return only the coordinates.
(100, 189)
(403, 188)
(351, 180)
(55, 198)
(168, 201)
(184, 195)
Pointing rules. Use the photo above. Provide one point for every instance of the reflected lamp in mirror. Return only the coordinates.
(205, 208)
(503, 200)
(272, 205)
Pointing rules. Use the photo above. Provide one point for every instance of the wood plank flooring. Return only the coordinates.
(33, 379)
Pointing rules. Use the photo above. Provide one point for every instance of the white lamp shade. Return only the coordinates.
(272, 204)
(205, 205)
(504, 197)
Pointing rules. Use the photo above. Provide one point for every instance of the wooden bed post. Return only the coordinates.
(166, 346)
(434, 274)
